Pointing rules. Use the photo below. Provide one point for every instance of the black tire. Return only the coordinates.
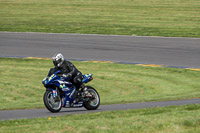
(87, 104)
(47, 103)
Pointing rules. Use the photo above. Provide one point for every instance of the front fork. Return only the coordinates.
(56, 94)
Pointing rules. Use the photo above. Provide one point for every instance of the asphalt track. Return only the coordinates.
(184, 52)
(34, 113)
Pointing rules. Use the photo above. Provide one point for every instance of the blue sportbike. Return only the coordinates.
(60, 92)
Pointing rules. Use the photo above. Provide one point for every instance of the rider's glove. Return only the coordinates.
(67, 75)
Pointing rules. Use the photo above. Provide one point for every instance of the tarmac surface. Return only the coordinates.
(184, 52)
(35, 113)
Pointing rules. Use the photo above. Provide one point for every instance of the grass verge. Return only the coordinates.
(120, 17)
(21, 86)
(180, 119)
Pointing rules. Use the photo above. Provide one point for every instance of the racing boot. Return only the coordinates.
(86, 93)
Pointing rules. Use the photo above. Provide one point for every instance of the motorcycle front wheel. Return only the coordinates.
(52, 104)
(94, 102)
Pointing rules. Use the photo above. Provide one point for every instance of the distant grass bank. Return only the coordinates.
(180, 18)
(182, 119)
(21, 87)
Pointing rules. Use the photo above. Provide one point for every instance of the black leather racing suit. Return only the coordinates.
(69, 69)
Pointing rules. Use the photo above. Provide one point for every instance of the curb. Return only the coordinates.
(100, 61)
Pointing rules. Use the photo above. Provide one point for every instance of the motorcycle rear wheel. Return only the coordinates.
(94, 103)
(51, 104)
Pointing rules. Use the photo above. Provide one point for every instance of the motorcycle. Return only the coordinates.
(60, 92)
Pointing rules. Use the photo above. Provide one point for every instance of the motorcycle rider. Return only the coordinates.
(69, 70)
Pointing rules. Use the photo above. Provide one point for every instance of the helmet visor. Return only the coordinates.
(55, 63)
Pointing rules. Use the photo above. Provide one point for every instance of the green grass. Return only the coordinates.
(120, 17)
(21, 86)
(182, 119)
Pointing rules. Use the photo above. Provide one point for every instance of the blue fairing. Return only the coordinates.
(55, 80)
(52, 82)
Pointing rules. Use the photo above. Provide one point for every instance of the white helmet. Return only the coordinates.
(58, 59)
